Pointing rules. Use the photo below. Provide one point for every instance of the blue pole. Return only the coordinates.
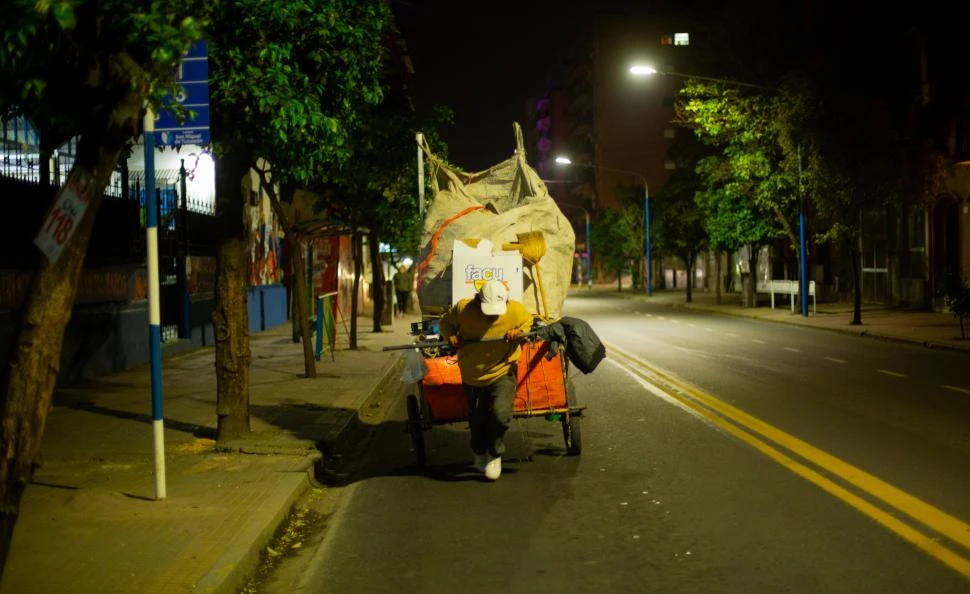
(319, 345)
(589, 254)
(185, 328)
(803, 264)
(646, 222)
(330, 322)
(154, 309)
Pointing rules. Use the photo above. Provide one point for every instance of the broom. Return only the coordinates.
(532, 246)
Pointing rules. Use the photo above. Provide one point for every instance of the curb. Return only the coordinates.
(243, 554)
(355, 422)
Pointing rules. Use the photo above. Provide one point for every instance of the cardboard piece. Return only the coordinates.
(472, 266)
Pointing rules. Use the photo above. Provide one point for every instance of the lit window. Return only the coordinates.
(666, 40)
(681, 38)
(669, 133)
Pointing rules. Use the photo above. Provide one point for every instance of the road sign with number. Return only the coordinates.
(63, 219)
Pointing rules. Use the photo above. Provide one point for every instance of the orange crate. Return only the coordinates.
(540, 384)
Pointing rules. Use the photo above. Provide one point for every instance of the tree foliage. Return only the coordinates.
(749, 186)
(290, 77)
(617, 238)
(67, 64)
(288, 82)
(678, 225)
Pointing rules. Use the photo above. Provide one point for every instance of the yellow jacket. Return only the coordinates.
(481, 363)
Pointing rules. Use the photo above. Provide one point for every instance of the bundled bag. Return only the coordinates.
(504, 204)
(583, 347)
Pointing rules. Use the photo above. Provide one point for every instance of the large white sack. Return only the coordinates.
(497, 204)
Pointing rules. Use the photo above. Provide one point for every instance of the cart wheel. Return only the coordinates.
(416, 429)
(572, 424)
(572, 432)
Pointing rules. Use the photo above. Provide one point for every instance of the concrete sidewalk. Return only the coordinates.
(89, 522)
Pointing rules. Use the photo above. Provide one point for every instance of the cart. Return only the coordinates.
(543, 389)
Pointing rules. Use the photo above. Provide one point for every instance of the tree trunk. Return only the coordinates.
(299, 279)
(355, 242)
(301, 292)
(230, 319)
(717, 276)
(34, 361)
(377, 280)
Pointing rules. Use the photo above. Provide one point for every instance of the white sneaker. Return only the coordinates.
(480, 461)
(493, 469)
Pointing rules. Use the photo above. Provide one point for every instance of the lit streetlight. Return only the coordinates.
(645, 70)
(646, 212)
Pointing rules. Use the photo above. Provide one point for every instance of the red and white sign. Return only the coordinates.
(64, 218)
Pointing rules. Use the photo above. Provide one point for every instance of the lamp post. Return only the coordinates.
(646, 213)
(641, 70)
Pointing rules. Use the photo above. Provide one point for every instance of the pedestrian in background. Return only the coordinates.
(403, 282)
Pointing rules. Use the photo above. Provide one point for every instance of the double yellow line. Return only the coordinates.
(774, 443)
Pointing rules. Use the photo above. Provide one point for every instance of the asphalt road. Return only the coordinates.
(720, 455)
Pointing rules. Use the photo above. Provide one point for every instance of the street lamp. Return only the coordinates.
(644, 70)
(646, 212)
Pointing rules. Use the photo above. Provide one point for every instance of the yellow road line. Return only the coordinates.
(939, 521)
(892, 373)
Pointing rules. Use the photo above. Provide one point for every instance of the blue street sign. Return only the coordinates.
(193, 75)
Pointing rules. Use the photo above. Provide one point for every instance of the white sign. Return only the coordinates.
(472, 266)
(64, 218)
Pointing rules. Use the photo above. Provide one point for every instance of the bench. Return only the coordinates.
(785, 287)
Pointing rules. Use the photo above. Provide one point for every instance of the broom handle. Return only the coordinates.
(542, 291)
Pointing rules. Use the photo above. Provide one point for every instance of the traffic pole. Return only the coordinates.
(646, 236)
(419, 139)
(154, 309)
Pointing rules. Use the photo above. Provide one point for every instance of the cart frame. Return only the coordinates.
(570, 417)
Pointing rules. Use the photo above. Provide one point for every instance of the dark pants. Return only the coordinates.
(490, 414)
(402, 301)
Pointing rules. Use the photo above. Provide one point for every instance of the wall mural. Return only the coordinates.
(267, 244)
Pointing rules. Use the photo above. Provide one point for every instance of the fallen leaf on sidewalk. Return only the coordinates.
(196, 446)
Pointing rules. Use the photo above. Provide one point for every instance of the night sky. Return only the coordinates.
(484, 59)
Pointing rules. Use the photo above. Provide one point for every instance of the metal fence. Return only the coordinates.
(20, 160)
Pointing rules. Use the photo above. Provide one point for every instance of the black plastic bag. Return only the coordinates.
(583, 347)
